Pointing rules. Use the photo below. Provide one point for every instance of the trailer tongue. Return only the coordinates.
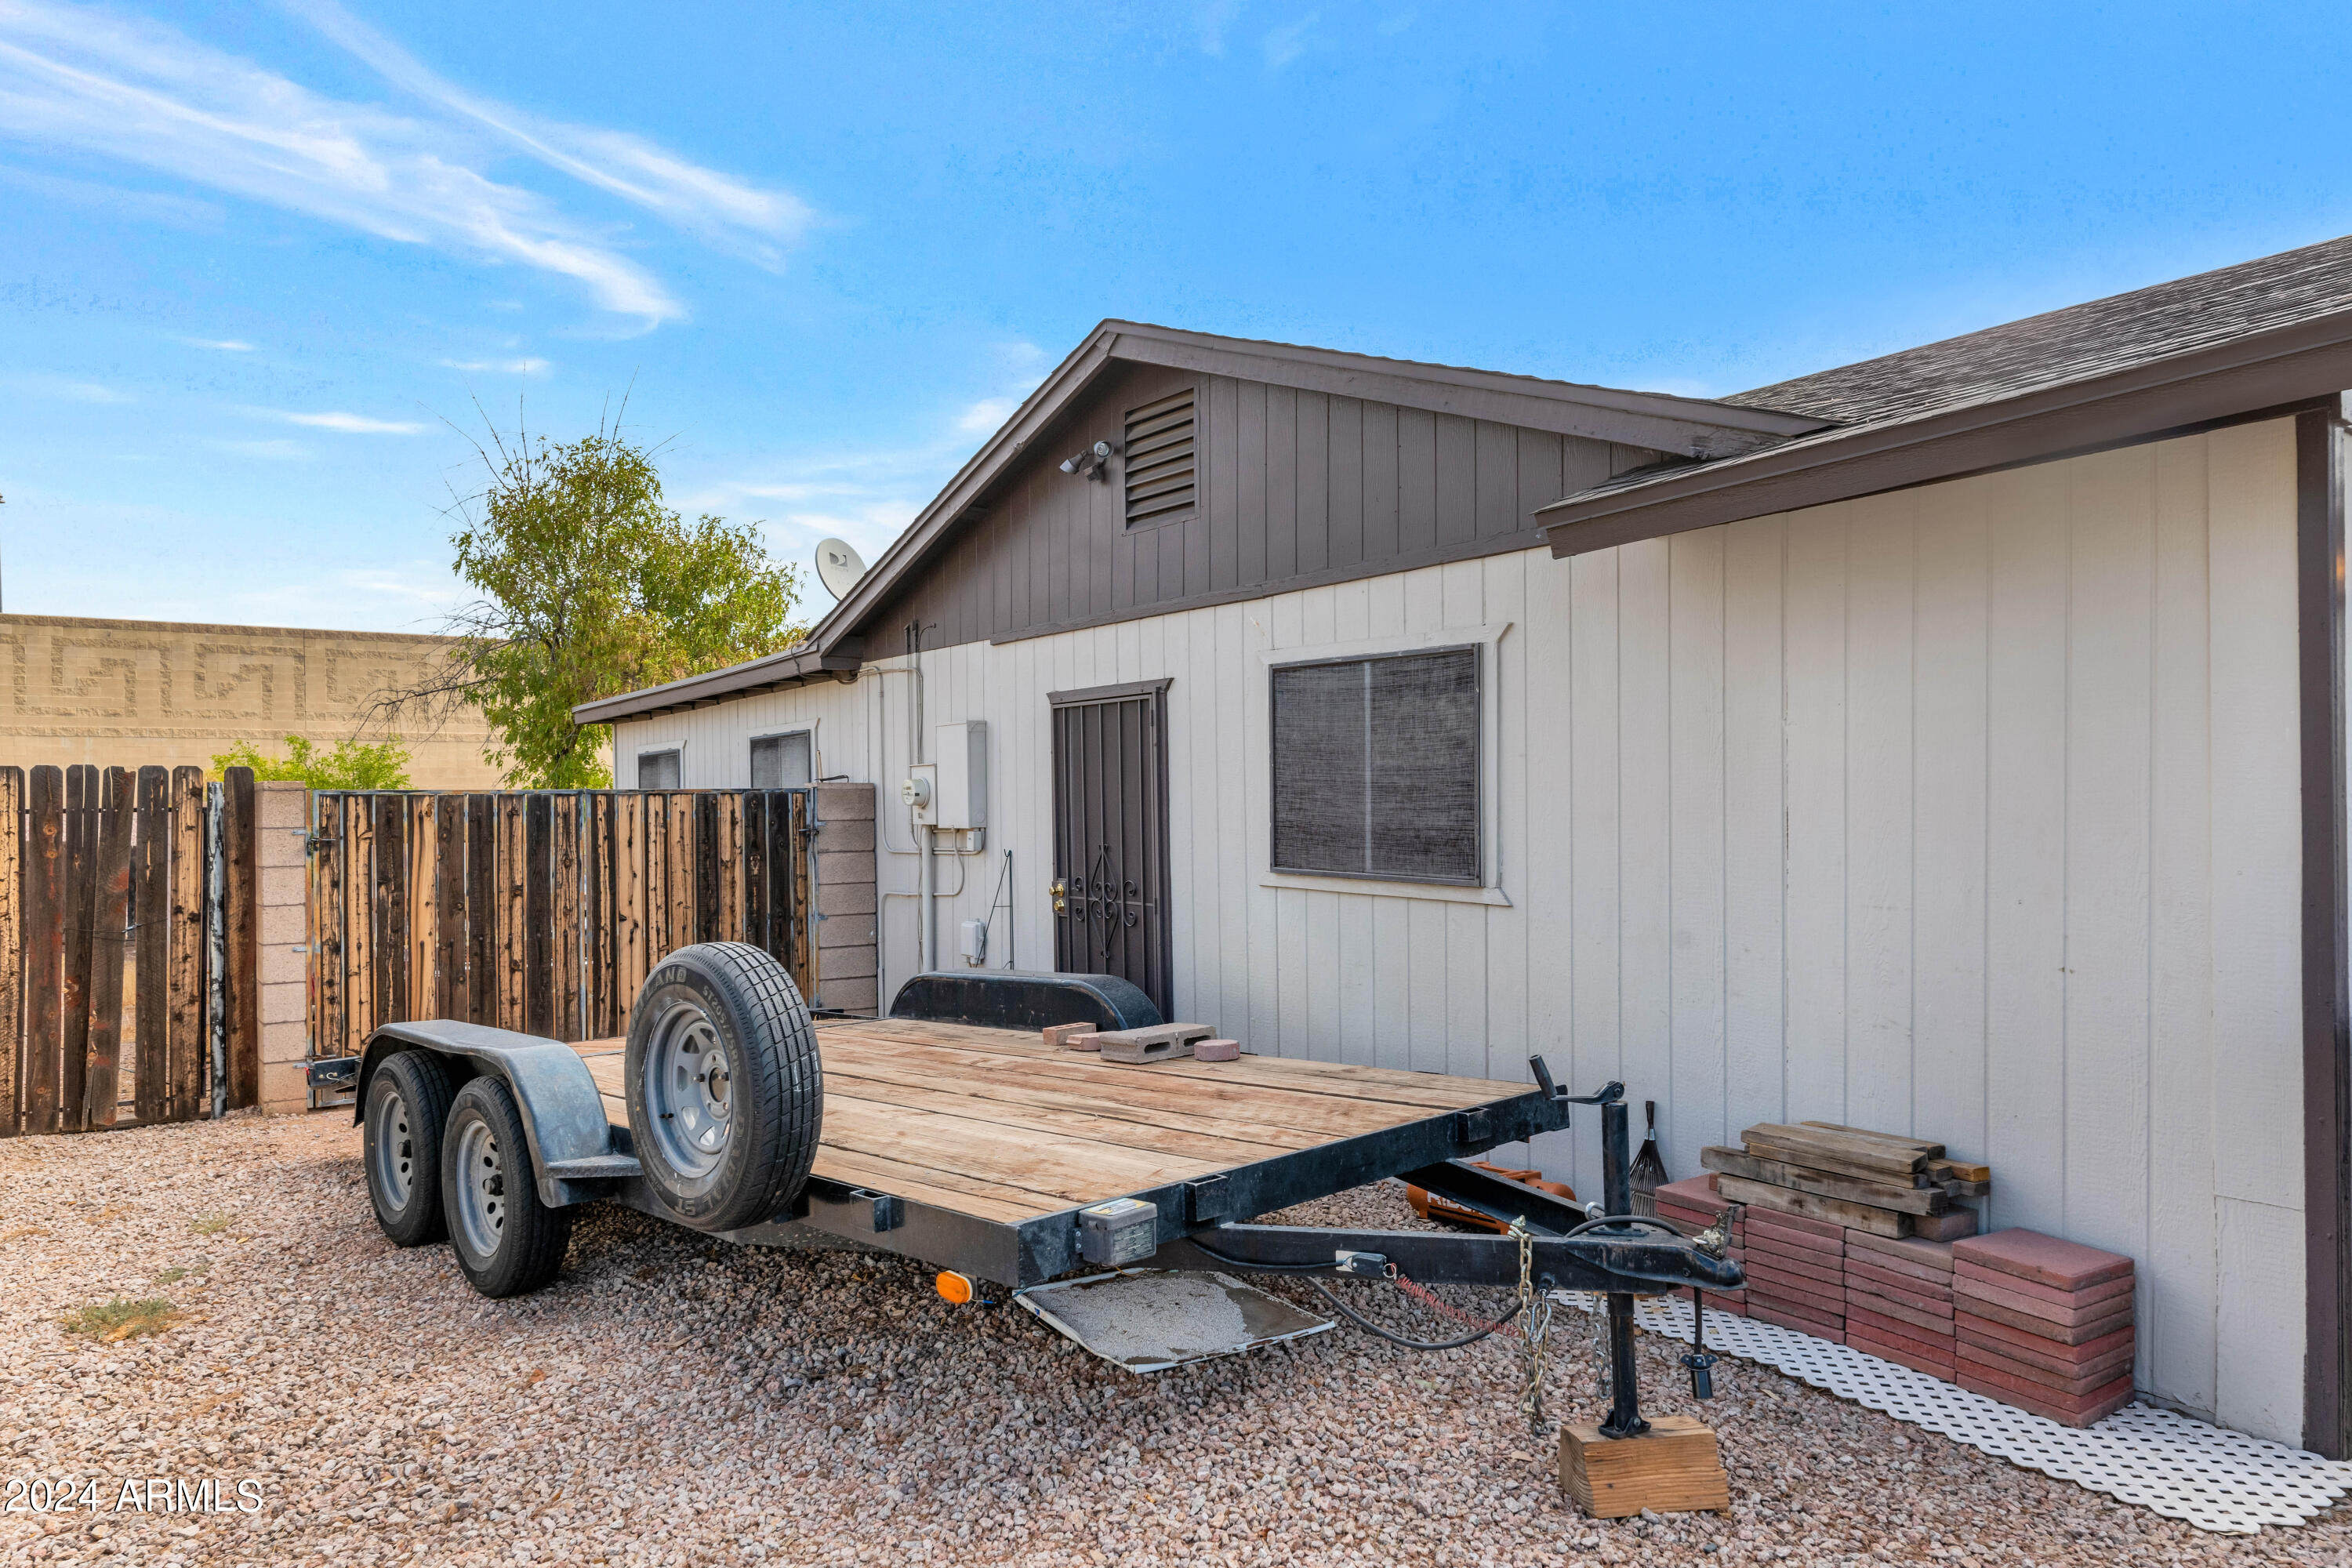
(976, 1147)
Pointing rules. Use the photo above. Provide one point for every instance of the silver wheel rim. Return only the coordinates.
(395, 1149)
(481, 1189)
(687, 1092)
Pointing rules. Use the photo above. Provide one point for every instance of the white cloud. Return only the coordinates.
(720, 208)
(356, 424)
(1284, 45)
(136, 90)
(225, 345)
(59, 388)
(500, 366)
(986, 415)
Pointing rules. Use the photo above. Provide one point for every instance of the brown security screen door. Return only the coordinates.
(1110, 835)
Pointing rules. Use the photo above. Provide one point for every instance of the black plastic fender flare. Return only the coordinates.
(562, 1111)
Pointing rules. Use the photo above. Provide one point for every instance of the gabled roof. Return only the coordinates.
(2261, 335)
(1691, 428)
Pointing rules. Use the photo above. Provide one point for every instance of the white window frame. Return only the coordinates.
(816, 755)
(1488, 640)
(676, 748)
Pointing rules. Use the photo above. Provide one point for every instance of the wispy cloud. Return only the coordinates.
(136, 90)
(986, 415)
(1285, 43)
(500, 366)
(355, 424)
(65, 389)
(225, 345)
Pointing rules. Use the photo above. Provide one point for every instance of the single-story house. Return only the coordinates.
(1952, 744)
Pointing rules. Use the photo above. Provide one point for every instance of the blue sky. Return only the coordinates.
(256, 261)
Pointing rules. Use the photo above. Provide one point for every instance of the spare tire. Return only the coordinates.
(726, 1095)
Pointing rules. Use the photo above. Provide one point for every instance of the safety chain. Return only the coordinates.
(1537, 1319)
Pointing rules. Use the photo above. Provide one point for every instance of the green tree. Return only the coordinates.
(348, 765)
(591, 586)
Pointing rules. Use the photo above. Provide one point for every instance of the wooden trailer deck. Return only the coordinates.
(992, 1124)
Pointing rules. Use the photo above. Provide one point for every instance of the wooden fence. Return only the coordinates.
(115, 885)
(540, 910)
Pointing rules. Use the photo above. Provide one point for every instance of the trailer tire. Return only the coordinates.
(726, 1093)
(508, 1242)
(400, 1146)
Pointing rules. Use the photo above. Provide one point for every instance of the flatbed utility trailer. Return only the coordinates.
(972, 1146)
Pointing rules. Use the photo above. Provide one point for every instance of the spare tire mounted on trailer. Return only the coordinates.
(726, 1095)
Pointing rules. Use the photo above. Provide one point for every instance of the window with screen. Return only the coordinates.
(783, 762)
(1376, 767)
(657, 770)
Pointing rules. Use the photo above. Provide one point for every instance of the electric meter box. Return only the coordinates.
(961, 802)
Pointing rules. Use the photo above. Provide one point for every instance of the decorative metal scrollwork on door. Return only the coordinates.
(1106, 901)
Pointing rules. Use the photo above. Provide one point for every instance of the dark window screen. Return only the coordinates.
(656, 769)
(1376, 767)
(780, 762)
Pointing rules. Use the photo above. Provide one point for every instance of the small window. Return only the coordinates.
(1376, 767)
(781, 762)
(657, 770)
(1161, 465)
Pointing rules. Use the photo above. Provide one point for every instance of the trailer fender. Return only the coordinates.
(574, 1155)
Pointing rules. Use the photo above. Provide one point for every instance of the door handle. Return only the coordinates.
(1060, 890)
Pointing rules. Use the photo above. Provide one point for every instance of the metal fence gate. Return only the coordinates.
(1110, 835)
(540, 910)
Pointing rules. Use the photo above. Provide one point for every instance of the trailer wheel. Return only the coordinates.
(407, 1105)
(726, 1095)
(508, 1242)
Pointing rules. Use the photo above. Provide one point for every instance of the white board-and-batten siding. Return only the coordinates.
(1969, 812)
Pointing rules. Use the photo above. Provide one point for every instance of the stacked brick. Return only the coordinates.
(2044, 1325)
(1695, 1205)
(1796, 1273)
(1898, 1301)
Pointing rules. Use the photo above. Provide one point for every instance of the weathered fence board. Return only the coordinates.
(108, 903)
(541, 911)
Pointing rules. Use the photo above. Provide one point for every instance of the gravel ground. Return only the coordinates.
(673, 1401)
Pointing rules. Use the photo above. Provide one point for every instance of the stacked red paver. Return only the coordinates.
(1898, 1301)
(1796, 1273)
(1695, 1205)
(2044, 1325)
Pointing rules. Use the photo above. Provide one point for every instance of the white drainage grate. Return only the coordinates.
(2214, 1479)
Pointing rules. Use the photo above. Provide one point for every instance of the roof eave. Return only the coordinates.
(803, 664)
(2261, 371)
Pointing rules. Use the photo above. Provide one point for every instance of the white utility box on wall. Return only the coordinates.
(961, 802)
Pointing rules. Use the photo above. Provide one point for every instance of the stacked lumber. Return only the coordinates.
(1851, 1179)
(2044, 1325)
(1695, 1205)
(1795, 1272)
(1898, 1301)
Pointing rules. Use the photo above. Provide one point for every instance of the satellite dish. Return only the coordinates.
(838, 567)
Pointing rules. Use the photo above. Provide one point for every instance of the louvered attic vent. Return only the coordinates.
(1161, 468)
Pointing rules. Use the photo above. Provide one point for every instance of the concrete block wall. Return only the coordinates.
(848, 962)
(282, 820)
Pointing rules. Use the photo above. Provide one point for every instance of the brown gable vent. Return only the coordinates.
(1161, 468)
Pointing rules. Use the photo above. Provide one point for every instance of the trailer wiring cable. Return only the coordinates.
(1370, 1327)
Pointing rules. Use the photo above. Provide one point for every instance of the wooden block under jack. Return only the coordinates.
(1158, 1042)
(1673, 1468)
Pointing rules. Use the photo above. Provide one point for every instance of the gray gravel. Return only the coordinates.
(673, 1401)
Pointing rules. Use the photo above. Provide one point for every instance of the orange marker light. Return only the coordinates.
(955, 1287)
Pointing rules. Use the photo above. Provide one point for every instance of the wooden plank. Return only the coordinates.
(1673, 1468)
(755, 869)
(44, 826)
(110, 947)
(1079, 1170)
(678, 914)
(629, 851)
(359, 918)
(883, 1078)
(1223, 1150)
(1830, 1165)
(326, 879)
(12, 949)
(538, 916)
(449, 906)
(598, 936)
(1780, 1200)
(563, 837)
(706, 867)
(81, 895)
(947, 1189)
(728, 865)
(151, 890)
(481, 908)
(801, 928)
(392, 876)
(1846, 1150)
(190, 1046)
(513, 868)
(241, 989)
(1803, 1179)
